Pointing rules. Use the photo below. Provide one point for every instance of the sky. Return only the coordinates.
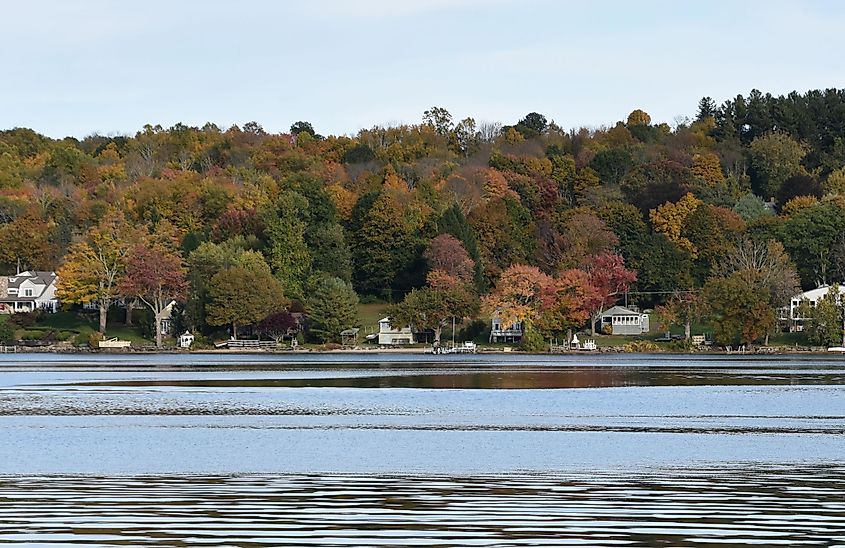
(109, 66)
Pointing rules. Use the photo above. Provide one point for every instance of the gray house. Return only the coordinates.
(619, 320)
(502, 330)
(28, 291)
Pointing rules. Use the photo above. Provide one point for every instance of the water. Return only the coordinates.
(403, 450)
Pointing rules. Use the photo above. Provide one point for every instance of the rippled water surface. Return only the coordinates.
(406, 450)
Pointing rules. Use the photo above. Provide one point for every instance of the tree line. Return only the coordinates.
(725, 214)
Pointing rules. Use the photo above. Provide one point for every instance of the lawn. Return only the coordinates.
(370, 314)
(85, 324)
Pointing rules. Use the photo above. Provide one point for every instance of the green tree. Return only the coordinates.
(241, 296)
(287, 252)
(774, 158)
(332, 307)
(809, 237)
(740, 314)
(824, 325)
(206, 261)
(434, 308)
(751, 207)
(330, 252)
(383, 247)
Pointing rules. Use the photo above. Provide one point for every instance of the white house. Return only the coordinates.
(28, 291)
(505, 331)
(792, 314)
(389, 335)
(619, 320)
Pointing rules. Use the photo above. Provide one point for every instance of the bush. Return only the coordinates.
(94, 339)
(532, 341)
(7, 331)
(65, 335)
(681, 346)
(641, 346)
(24, 319)
(32, 335)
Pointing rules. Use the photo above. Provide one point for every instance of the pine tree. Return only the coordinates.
(332, 307)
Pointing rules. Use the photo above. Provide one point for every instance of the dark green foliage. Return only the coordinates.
(329, 250)
(799, 185)
(809, 238)
(359, 154)
(7, 331)
(650, 185)
(384, 250)
(612, 164)
(332, 307)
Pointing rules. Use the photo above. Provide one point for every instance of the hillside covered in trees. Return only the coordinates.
(725, 215)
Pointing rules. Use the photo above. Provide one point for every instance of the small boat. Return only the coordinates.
(836, 349)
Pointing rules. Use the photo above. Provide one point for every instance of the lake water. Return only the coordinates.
(409, 450)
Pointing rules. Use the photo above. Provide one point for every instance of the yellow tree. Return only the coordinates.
(669, 219)
(94, 267)
(707, 168)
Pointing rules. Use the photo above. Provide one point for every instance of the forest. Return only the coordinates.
(724, 216)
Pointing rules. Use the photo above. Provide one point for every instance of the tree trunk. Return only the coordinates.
(158, 329)
(437, 332)
(234, 331)
(104, 310)
(766, 340)
(687, 330)
(569, 338)
(129, 307)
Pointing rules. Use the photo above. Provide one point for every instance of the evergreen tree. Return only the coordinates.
(332, 307)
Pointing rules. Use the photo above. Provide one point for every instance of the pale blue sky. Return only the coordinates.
(110, 66)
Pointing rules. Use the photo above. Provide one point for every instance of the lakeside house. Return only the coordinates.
(28, 291)
(390, 336)
(619, 320)
(792, 314)
(505, 331)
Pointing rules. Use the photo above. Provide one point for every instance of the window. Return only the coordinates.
(27, 293)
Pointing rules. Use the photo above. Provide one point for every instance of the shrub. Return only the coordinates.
(641, 346)
(24, 319)
(7, 331)
(31, 335)
(65, 335)
(94, 339)
(532, 340)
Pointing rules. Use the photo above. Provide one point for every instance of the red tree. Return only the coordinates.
(157, 277)
(446, 254)
(277, 325)
(609, 276)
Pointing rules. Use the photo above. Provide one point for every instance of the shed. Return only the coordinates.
(349, 337)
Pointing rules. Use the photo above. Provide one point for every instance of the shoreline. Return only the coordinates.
(767, 351)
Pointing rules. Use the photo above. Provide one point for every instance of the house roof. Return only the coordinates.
(37, 278)
(817, 293)
(620, 311)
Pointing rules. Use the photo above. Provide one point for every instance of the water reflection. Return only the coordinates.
(738, 505)
(511, 451)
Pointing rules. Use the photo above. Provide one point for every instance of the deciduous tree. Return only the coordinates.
(157, 278)
(93, 268)
(243, 296)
